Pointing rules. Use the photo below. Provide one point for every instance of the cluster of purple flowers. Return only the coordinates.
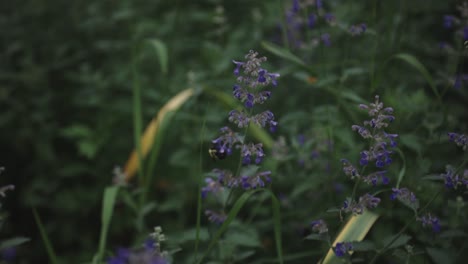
(312, 150)
(249, 89)
(460, 139)
(430, 221)
(379, 154)
(459, 24)
(381, 143)
(296, 24)
(453, 180)
(406, 197)
(146, 255)
(342, 248)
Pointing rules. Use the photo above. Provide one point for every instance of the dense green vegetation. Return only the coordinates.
(81, 81)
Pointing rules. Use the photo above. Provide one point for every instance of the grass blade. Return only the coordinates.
(152, 129)
(355, 229)
(413, 61)
(283, 53)
(161, 52)
(45, 239)
(108, 202)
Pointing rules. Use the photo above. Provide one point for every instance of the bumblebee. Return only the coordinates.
(215, 154)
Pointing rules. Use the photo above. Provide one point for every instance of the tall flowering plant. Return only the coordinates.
(250, 89)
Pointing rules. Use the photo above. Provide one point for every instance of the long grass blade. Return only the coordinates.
(355, 229)
(108, 202)
(48, 245)
(152, 129)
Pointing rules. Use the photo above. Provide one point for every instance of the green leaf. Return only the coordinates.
(402, 172)
(49, 248)
(241, 238)
(108, 202)
(398, 242)
(233, 213)
(440, 256)
(412, 142)
(355, 229)
(320, 237)
(453, 233)
(413, 61)
(364, 245)
(13, 242)
(161, 52)
(283, 53)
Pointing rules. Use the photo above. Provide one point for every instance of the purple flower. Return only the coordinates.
(349, 169)
(326, 39)
(430, 221)
(356, 30)
(121, 258)
(330, 18)
(319, 4)
(215, 217)
(319, 226)
(405, 196)
(366, 201)
(9, 254)
(249, 150)
(341, 249)
(448, 21)
(211, 186)
(460, 140)
(312, 20)
(453, 180)
(374, 177)
(238, 66)
(295, 6)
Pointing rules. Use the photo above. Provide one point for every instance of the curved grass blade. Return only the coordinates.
(161, 51)
(45, 239)
(108, 202)
(285, 54)
(413, 61)
(152, 129)
(402, 172)
(13, 242)
(275, 206)
(355, 229)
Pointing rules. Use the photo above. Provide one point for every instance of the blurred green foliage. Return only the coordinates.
(68, 69)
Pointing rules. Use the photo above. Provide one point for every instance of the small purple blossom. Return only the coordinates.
(342, 249)
(312, 20)
(465, 33)
(211, 186)
(366, 201)
(448, 21)
(215, 217)
(429, 220)
(319, 226)
(326, 39)
(238, 66)
(121, 258)
(374, 178)
(405, 196)
(9, 254)
(359, 29)
(330, 18)
(349, 169)
(319, 4)
(460, 140)
(453, 180)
